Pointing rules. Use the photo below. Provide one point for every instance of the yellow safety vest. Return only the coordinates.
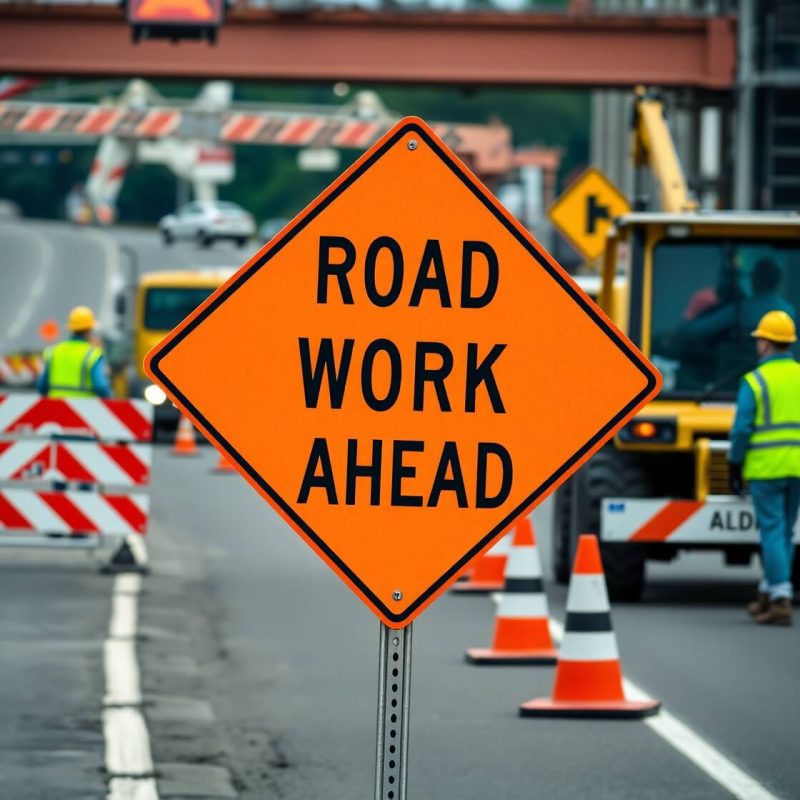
(774, 447)
(69, 368)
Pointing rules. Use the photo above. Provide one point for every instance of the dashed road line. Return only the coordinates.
(128, 759)
(690, 744)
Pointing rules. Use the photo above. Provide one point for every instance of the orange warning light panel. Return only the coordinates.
(175, 12)
(406, 371)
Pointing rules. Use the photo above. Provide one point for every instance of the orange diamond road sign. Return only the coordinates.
(402, 372)
(586, 210)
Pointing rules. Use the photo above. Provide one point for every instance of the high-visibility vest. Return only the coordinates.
(774, 447)
(69, 368)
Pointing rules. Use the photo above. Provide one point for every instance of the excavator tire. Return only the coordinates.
(561, 541)
(611, 473)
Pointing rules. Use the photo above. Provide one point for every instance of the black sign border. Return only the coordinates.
(313, 212)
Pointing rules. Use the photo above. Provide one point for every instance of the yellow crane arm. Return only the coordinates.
(652, 147)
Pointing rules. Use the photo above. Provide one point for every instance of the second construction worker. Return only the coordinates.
(75, 367)
(765, 452)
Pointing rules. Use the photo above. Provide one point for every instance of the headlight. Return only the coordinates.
(154, 395)
(650, 431)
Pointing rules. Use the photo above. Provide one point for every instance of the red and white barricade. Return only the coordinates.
(73, 471)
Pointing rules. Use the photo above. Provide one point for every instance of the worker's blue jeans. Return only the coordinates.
(776, 503)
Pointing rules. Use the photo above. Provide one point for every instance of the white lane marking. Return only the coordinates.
(676, 733)
(114, 281)
(127, 743)
(699, 751)
(132, 789)
(124, 616)
(128, 759)
(122, 673)
(37, 288)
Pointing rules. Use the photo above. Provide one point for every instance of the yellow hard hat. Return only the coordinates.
(776, 326)
(81, 318)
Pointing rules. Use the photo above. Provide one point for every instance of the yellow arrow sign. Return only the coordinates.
(585, 212)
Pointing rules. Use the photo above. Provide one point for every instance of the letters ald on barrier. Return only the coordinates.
(406, 371)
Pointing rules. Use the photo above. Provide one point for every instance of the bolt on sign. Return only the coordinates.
(404, 372)
(586, 210)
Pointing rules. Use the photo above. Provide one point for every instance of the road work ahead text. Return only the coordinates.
(337, 372)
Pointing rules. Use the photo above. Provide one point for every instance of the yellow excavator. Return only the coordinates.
(688, 286)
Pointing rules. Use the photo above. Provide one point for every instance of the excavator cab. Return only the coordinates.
(696, 285)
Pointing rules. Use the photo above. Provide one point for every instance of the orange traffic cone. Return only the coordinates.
(589, 675)
(487, 575)
(185, 444)
(522, 624)
(223, 465)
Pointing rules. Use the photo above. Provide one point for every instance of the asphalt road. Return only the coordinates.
(288, 662)
(45, 270)
(258, 666)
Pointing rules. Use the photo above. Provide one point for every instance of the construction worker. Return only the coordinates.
(765, 451)
(75, 367)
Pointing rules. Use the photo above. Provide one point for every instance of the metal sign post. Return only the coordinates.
(394, 702)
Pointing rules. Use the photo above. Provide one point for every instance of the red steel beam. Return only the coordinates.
(463, 48)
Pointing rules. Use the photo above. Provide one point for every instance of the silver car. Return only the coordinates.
(207, 221)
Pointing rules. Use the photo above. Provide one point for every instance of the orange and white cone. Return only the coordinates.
(223, 465)
(487, 575)
(522, 624)
(185, 443)
(589, 675)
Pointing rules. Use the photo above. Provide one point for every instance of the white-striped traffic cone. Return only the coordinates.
(487, 574)
(522, 624)
(185, 442)
(589, 675)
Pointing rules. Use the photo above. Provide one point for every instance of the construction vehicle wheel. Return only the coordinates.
(561, 540)
(611, 473)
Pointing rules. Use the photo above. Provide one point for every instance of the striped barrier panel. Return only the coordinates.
(82, 462)
(73, 466)
(107, 420)
(73, 512)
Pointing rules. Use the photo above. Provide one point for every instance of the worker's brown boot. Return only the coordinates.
(779, 612)
(759, 605)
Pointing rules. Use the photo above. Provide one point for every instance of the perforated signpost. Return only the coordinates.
(407, 372)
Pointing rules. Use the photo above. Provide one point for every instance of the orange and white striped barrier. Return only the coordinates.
(185, 441)
(110, 420)
(20, 370)
(720, 519)
(522, 622)
(488, 574)
(588, 679)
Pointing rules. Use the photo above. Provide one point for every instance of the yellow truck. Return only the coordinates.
(163, 299)
(688, 287)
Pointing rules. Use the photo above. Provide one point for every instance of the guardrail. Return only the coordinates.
(74, 473)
